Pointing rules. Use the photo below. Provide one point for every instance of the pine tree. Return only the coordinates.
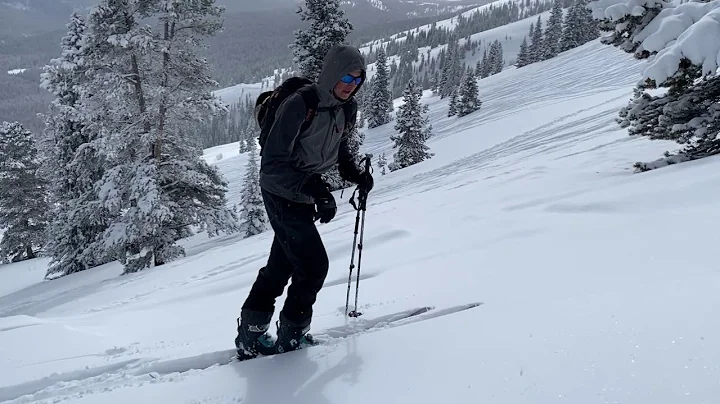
(468, 98)
(485, 65)
(148, 86)
(328, 27)
(452, 105)
(536, 44)
(572, 35)
(23, 195)
(382, 163)
(253, 208)
(414, 129)
(553, 32)
(590, 27)
(380, 100)
(72, 163)
(624, 29)
(523, 55)
(498, 61)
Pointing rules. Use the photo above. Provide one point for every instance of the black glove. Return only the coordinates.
(324, 200)
(366, 182)
(326, 208)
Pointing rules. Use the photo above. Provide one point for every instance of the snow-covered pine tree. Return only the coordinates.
(23, 195)
(625, 23)
(328, 27)
(452, 104)
(523, 55)
(484, 65)
(498, 61)
(253, 215)
(413, 128)
(529, 53)
(147, 84)
(687, 111)
(382, 163)
(73, 164)
(553, 32)
(573, 31)
(536, 43)
(468, 98)
(380, 103)
(590, 27)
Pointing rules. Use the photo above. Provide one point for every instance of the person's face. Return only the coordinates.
(345, 87)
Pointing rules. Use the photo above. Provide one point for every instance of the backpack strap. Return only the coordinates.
(311, 103)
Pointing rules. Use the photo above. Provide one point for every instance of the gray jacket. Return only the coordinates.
(291, 159)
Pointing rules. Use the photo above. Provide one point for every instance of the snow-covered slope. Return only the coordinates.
(555, 273)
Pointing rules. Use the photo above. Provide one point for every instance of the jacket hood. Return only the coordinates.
(339, 61)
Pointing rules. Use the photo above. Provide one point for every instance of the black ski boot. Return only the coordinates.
(252, 336)
(292, 336)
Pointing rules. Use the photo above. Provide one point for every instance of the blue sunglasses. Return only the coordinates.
(347, 79)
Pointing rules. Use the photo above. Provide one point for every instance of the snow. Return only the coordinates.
(555, 273)
(16, 71)
(692, 31)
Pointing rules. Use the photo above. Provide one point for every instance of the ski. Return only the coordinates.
(360, 326)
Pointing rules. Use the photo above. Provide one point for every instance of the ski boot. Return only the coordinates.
(291, 336)
(253, 339)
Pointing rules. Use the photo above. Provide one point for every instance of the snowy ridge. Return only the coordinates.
(373, 3)
(528, 206)
(449, 23)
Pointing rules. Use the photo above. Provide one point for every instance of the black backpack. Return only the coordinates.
(268, 102)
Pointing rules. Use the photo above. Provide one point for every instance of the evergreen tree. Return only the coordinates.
(486, 64)
(23, 195)
(553, 32)
(72, 163)
(380, 99)
(148, 84)
(573, 31)
(468, 98)
(498, 61)
(452, 105)
(590, 27)
(382, 163)
(328, 27)
(624, 29)
(253, 214)
(523, 55)
(414, 129)
(536, 44)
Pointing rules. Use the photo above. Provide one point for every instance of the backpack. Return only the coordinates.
(268, 102)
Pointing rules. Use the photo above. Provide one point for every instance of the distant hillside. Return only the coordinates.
(254, 42)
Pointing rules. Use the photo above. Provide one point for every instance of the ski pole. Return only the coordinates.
(361, 208)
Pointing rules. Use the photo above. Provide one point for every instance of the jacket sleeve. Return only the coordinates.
(347, 168)
(280, 141)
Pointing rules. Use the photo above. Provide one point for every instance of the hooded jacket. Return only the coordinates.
(292, 161)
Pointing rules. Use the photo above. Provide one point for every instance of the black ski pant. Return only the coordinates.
(297, 252)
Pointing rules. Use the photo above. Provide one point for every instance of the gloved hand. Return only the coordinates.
(326, 207)
(324, 200)
(366, 182)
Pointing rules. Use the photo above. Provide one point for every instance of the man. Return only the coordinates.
(295, 197)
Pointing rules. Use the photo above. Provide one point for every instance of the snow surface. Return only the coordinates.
(16, 71)
(595, 285)
(690, 30)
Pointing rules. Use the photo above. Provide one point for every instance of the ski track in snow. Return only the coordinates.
(138, 371)
(512, 211)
